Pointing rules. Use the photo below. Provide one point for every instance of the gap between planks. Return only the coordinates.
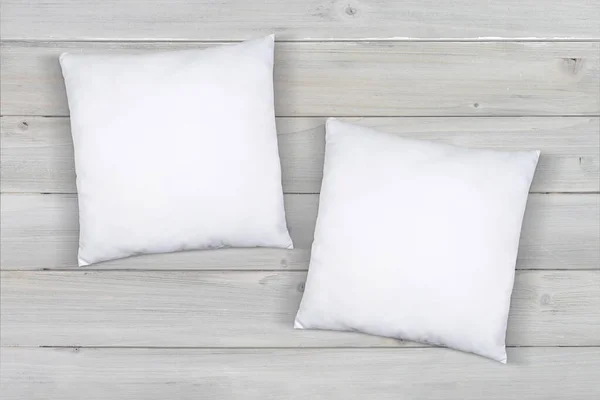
(416, 346)
(98, 269)
(318, 40)
(312, 40)
(373, 116)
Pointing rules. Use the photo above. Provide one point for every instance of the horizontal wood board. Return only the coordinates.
(37, 152)
(560, 231)
(298, 374)
(362, 78)
(248, 309)
(298, 19)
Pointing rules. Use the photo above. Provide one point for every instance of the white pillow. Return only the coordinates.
(175, 150)
(416, 240)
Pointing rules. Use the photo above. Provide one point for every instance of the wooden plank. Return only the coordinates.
(247, 309)
(362, 79)
(298, 374)
(41, 232)
(37, 152)
(298, 19)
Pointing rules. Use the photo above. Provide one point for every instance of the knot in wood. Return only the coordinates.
(573, 65)
(545, 300)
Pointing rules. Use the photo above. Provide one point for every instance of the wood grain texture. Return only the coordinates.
(247, 309)
(364, 78)
(37, 152)
(528, 69)
(298, 374)
(298, 19)
(41, 231)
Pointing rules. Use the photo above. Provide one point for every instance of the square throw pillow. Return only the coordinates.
(416, 240)
(175, 150)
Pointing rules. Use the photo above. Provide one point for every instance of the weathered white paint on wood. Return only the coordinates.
(298, 19)
(298, 374)
(41, 231)
(386, 73)
(363, 79)
(247, 309)
(37, 152)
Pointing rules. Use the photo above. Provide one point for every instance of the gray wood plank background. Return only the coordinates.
(37, 152)
(299, 19)
(508, 74)
(540, 373)
(362, 78)
(560, 231)
(247, 309)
